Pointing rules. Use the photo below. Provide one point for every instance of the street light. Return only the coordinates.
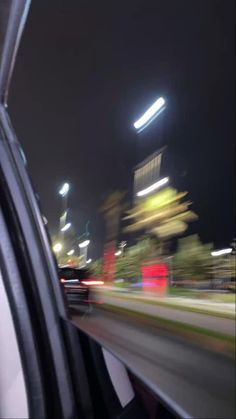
(122, 246)
(216, 253)
(66, 227)
(71, 252)
(84, 243)
(150, 114)
(153, 187)
(64, 194)
(221, 252)
(64, 189)
(84, 251)
(57, 247)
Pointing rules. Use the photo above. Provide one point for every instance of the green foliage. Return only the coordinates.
(193, 259)
(163, 214)
(96, 267)
(128, 265)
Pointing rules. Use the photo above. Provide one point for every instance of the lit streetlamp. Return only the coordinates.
(64, 189)
(217, 253)
(122, 246)
(85, 243)
(57, 247)
(63, 192)
(71, 252)
(221, 252)
(148, 116)
(66, 227)
(84, 251)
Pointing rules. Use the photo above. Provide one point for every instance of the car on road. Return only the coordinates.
(79, 286)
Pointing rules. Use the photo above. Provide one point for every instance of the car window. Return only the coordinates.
(126, 116)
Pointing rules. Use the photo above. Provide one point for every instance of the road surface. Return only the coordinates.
(198, 383)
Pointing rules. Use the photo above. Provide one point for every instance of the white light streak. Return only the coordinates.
(66, 227)
(57, 247)
(64, 189)
(71, 252)
(150, 113)
(84, 243)
(221, 252)
(153, 187)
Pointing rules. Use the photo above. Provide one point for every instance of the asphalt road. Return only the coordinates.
(198, 383)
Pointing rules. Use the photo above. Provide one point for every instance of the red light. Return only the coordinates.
(155, 271)
(92, 282)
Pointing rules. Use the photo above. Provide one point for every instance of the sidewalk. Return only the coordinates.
(202, 305)
(209, 305)
(161, 308)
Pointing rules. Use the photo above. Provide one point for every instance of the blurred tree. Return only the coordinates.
(96, 267)
(128, 265)
(163, 214)
(193, 260)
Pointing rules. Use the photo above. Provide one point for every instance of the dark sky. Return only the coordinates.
(87, 69)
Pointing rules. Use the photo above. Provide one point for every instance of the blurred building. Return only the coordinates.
(111, 210)
(148, 171)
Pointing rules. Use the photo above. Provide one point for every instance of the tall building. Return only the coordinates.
(148, 171)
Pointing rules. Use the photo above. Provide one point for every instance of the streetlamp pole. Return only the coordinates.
(216, 254)
(83, 245)
(64, 194)
(84, 251)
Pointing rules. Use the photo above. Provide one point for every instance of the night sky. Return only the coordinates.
(86, 70)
